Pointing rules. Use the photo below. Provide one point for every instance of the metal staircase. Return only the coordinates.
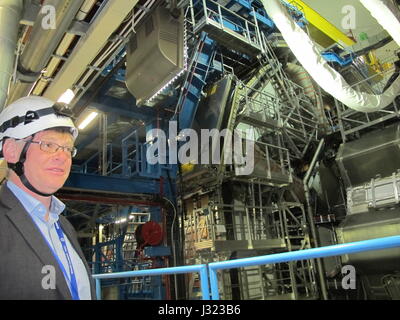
(286, 221)
(198, 70)
(300, 119)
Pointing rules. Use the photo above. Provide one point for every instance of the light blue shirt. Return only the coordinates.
(37, 211)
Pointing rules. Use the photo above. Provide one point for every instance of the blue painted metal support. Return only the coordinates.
(158, 251)
(105, 264)
(201, 269)
(196, 80)
(334, 250)
(261, 18)
(333, 57)
(147, 169)
(130, 154)
(155, 214)
(136, 185)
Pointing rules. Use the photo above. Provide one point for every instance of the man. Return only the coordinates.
(40, 257)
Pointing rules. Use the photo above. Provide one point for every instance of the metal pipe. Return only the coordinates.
(103, 144)
(42, 44)
(10, 16)
(320, 267)
(307, 254)
(314, 160)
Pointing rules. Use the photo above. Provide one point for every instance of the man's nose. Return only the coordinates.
(62, 154)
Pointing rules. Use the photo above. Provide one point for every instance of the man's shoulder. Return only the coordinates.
(5, 207)
(4, 197)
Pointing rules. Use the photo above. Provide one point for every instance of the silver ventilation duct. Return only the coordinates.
(42, 44)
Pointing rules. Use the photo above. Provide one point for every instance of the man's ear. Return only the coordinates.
(11, 151)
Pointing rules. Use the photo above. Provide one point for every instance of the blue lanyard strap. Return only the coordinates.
(72, 280)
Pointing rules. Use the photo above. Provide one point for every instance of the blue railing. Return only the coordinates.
(200, 268)
(211, 269)
(335, 250)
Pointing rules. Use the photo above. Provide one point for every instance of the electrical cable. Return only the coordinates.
(173, 245)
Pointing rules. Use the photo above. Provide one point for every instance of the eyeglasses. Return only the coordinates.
(51, 147)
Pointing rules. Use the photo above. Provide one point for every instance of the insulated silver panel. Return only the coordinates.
(371, 225)
(375, 153)
(155, 54)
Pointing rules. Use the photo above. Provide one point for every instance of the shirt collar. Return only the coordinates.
(34, 207)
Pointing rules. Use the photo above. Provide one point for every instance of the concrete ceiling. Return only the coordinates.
(335, 12)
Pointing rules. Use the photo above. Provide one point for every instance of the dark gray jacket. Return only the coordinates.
(24, 252)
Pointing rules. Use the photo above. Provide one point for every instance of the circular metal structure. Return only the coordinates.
(152, 233)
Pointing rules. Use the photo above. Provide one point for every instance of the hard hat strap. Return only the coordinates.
(27, 184)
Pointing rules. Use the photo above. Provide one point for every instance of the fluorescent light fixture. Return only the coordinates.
(67, 96)
(88, 120)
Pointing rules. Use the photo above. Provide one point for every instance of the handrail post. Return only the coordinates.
(205, 288)
(98, 289)
(214, 283)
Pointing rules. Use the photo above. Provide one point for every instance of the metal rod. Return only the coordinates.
(320, 267)
(328, 251)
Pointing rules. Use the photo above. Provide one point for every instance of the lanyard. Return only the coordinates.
(72, 280)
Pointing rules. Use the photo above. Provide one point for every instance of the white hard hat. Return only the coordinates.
(29, 115)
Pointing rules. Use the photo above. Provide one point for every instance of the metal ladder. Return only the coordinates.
(130, 243)
(299, 119)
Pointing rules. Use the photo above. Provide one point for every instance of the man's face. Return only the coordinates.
(47, 172)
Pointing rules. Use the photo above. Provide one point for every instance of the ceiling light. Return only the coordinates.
(67, 96)
(88, 120)
(120, 221)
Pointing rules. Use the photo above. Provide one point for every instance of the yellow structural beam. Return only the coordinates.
(319, 22)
